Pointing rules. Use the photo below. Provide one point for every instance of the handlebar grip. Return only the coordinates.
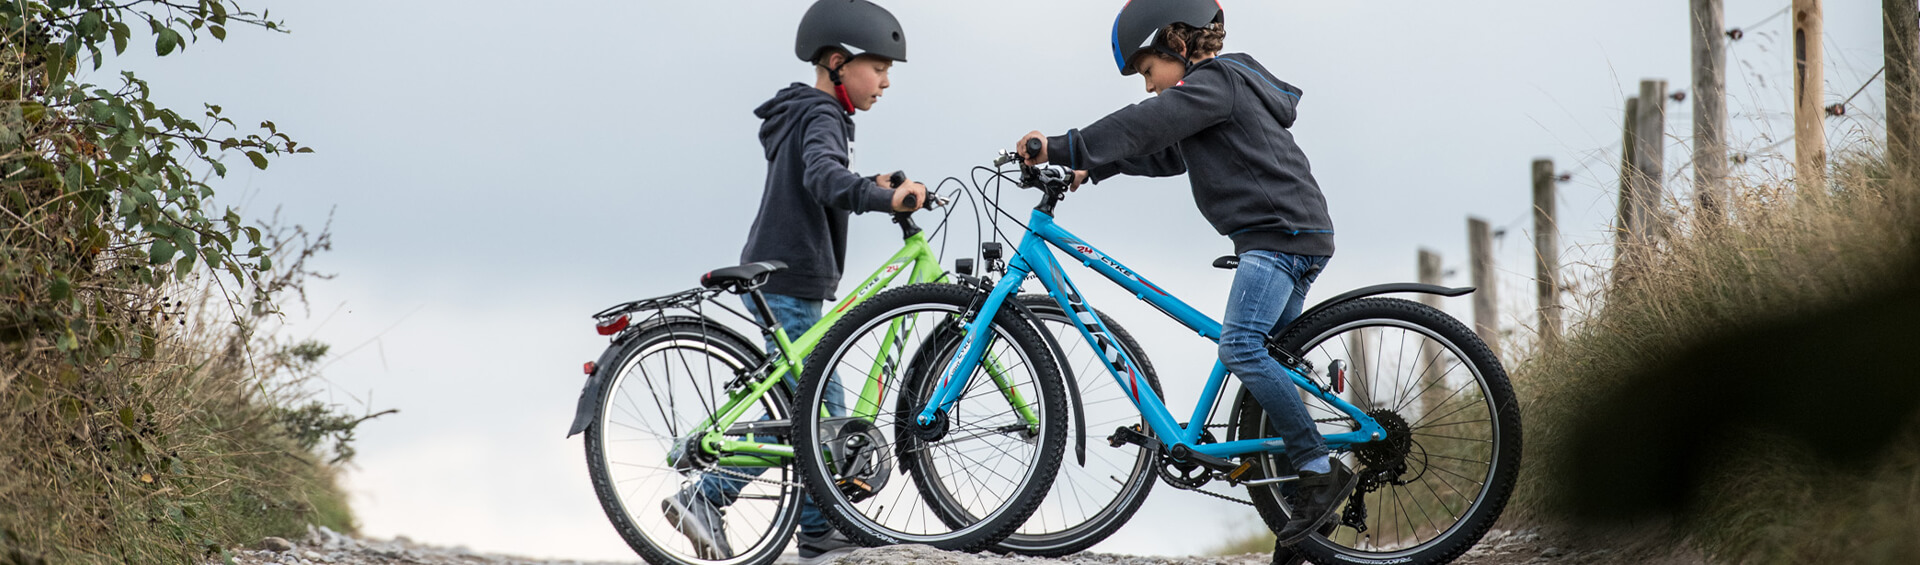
(1033, 147)
(899, 179)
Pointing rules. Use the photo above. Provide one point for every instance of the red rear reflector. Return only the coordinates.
(1339, 379)
(588, 368)
(613, 326)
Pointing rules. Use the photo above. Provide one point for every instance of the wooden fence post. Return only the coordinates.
(1900, 33)
(1649, 159)
(1809, 115)
(1486, 310)
(1546, 250)
(1627, 222)
(1360, 367)
(1709, 112)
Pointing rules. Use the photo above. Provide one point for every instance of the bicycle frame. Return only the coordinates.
(1034, 256)
(915, 257)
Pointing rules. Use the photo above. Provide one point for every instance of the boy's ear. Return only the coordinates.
(834, 58)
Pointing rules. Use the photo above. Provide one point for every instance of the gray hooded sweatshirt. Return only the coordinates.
(809, 193)
(1225, 126)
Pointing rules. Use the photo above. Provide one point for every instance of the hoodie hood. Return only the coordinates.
(790, 109)
(1279, 97)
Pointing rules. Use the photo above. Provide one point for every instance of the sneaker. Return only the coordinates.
(816, 549)
(1313, 500)
(699, 520)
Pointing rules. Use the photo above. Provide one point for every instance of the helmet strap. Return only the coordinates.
(840, 90)
(1175, 55)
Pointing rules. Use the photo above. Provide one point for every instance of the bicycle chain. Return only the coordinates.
(1249, 502)
(1222, 496)
(752, 478)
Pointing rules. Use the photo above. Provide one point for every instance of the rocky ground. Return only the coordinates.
(326, 547)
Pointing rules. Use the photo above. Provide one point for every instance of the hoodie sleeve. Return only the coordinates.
(1164, 163)
(1148, 129)
(826, 177)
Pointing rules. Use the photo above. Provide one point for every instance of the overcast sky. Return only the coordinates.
(498, 171)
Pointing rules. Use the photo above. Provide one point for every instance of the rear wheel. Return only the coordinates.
(1089, 501)
(1440, 479)
(877, 473)
(666, 381)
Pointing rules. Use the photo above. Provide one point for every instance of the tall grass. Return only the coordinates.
(1784, 255)
(192, 436)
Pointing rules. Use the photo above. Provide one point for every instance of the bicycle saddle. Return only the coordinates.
(1227, 262)
(743, 277)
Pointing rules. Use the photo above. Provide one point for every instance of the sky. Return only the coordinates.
(496, 172)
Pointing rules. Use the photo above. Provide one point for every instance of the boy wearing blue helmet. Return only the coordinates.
(1222, 120)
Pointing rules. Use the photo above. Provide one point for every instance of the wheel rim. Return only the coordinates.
(976, 458)
(658, 395)
(1426, 381)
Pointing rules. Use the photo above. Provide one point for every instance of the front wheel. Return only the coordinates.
(1441, 477)
(877, 473)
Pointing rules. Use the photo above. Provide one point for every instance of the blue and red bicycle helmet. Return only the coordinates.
(1138, 26)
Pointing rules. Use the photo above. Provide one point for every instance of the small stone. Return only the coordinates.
(312, 555)
(1552, 552)
(275, 544)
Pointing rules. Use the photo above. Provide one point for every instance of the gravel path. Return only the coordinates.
(326, 547)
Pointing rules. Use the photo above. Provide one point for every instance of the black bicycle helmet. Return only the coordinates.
(857, 26)
(1140, 22)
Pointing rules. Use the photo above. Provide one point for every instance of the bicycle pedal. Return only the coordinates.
(855, 489)
(1130, 434)
(1234, 475)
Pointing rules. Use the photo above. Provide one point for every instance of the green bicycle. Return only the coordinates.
(679, 400)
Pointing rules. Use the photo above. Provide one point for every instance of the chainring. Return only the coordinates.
(860, 466)
(1187, 475)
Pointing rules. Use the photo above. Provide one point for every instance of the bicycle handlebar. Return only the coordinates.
(1056, 181)
(899, 178)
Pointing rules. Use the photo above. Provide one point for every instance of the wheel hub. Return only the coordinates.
(932, 431)
(1387, 455)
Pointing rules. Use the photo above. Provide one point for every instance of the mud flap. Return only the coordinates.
(590, 395)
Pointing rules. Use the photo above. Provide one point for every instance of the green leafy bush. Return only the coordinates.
(143, 418)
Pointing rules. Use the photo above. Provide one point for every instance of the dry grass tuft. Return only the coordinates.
(1782, 257)
(179, 440)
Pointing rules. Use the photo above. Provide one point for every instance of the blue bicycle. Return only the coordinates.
(1412, 400)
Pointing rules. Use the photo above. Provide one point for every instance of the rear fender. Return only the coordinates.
(608, 363)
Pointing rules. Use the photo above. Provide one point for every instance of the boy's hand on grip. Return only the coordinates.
(909, 196)
(1027, 146)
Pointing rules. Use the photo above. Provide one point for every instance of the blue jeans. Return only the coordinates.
(1269, 289)
(796, 315)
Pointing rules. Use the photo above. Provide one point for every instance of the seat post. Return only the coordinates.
(766, 312)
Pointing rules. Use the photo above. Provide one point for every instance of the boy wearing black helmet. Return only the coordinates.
(808, 134)
(1222, 120)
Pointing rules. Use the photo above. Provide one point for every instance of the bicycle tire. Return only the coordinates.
(616, 443)
(1065, 533)
(862, 519)
(1491, 396)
